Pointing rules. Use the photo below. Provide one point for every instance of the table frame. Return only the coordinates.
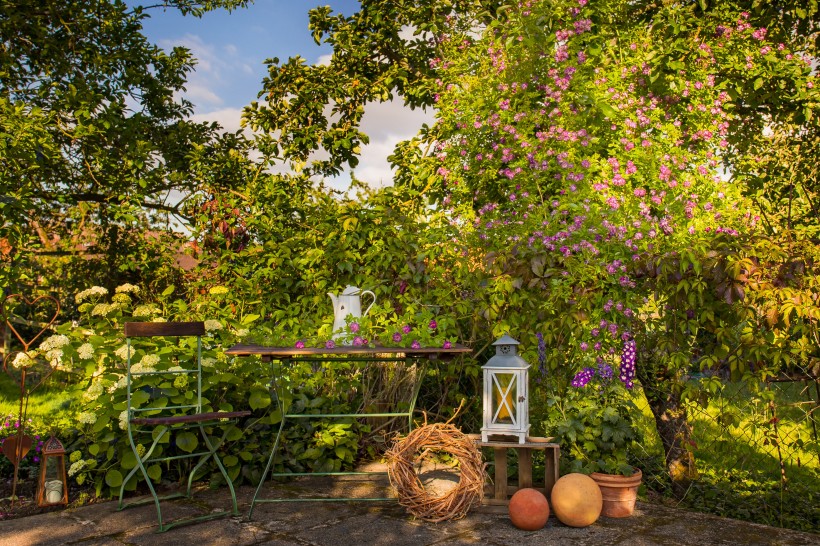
(365, 355)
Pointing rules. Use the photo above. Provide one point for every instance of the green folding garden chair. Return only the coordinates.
(163, 408)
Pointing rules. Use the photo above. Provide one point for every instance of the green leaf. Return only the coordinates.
(129, 460)
(94, 449)
(187, 441)
(154, 472)
(234, 433)
(247, 319)
(758, 83)
(608, 110)
(100, 424)
(260, 398)
(113, 478)
(230, 460)
(139, 397)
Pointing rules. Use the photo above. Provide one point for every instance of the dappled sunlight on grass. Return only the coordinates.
(736, 452)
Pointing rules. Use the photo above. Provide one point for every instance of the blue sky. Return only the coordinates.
(231, 49)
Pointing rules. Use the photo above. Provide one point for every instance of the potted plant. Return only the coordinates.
(597, 428)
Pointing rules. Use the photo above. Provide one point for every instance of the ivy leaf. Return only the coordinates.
(154, 472)
(260, 398)
(187, 441)
(113, 478)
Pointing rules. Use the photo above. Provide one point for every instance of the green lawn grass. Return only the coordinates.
(738, 454)
(46, 404)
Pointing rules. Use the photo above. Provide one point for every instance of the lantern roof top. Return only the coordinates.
(53, 446)
(506, 340)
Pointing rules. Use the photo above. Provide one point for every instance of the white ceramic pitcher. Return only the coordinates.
(348, 303)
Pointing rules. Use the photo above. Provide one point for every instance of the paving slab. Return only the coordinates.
(354, 523)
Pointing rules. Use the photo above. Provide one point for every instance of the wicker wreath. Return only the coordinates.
(425, 440)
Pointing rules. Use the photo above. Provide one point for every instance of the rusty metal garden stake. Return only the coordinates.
(16, 447)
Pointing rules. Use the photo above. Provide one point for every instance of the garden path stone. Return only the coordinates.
(348, 523)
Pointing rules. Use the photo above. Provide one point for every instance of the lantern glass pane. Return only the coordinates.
(505, 393)
(52, 470)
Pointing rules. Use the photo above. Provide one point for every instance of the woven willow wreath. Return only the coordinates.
(425, 441)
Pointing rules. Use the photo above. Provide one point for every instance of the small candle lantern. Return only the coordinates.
(506, 408)
(52, 488)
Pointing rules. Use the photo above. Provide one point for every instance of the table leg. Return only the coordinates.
(421, 369)
(279, 398)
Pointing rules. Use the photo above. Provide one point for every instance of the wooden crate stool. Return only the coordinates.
(502, 489)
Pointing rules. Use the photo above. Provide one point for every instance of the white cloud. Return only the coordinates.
(213, 67)
(200, 94)
(228, 118)
(324, 60)
(387, 124)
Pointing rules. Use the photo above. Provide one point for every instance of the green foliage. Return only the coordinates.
(97, 352)
(595, 425)
(92, 140)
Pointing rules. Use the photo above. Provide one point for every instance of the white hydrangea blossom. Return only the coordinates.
(141, 367)
(76, 467)
(55, 357)
(123, 299)
(126, 288)
(23, 360)
(146, 310)
(54, 342)
(217, 290)
(87, 418)
(176, 369)
(208, 362)
(120, 384)
(242, 332)
(86, 351)
(94, 391)
(149, 361)
(93, 291)
(102, 309)
(75, 456)
(122, 352)
(124, 419)
(212, 325)
(159, 319)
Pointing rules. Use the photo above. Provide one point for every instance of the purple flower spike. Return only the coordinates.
(358, 341)
(397, 337)
(406, 329)
(300, 344)
(433, 324)
(628, 363)
(354, 327)
(447, 345)
(583, 377)
(330, 344)
(415, 344)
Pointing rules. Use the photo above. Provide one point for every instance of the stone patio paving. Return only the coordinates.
(353, 523)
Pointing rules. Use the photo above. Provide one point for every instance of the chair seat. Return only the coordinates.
(192, 418)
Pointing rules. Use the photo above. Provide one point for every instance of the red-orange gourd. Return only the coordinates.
(529, 509)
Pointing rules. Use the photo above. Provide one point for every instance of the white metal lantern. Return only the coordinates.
(506, 392)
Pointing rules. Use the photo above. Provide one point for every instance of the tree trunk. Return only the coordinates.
(676, 436)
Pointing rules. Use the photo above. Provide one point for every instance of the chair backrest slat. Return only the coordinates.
(149, 329)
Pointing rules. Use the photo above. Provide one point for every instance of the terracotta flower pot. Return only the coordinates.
(619, 493)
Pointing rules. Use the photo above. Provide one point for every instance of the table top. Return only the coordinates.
(431, 353)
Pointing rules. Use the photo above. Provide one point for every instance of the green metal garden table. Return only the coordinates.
(287, 357)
